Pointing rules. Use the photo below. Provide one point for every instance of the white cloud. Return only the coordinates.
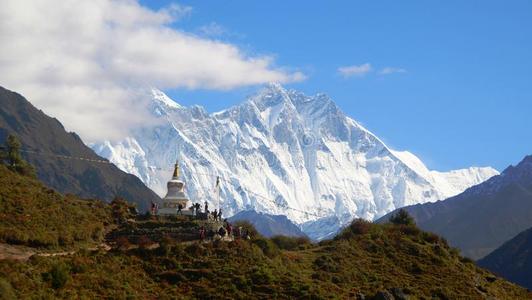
(360, 70)
(391, 70)
(85, 62)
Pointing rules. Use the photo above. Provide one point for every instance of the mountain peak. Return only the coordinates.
(292, 150)
(160, 97)
(274, 86)
(522, 172)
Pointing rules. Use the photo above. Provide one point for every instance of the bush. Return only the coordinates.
(59, 275)
(267, 246)
(466, 260)
(326, 263)
(430, 237)
(290, 243)
(261, 276)
(410, 230)
(402, 218)
(360, 226)
(165, 246)
(6, 290)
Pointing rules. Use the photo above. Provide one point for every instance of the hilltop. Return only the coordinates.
(483, 217)
(364, 259)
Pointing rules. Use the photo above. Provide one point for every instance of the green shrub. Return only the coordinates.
(467, 260)
(326, 263)
(290, 243)
(360, 226)
(6, 290)
(165, 246)
(262, 275)
(402, 217)
(409, 230)
(59, 275)
(430, 237)
(267, 246)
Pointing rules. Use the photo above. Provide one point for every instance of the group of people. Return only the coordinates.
(226, 230)
(215, 215)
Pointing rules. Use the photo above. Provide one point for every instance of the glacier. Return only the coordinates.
(282, 152)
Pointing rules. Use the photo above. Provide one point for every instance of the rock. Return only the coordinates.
(360, 296)
(399, 294)
(383, 295)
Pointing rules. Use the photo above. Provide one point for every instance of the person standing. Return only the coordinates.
(202, 233)
(229, 229)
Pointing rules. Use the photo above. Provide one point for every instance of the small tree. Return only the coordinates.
(402, 218)
(11, 155)
(14, 158)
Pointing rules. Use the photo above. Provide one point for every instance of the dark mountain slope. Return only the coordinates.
(513, 260)
(41, 133)
(269, 225)
(483, 217)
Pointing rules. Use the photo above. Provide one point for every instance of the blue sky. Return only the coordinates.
(464, 98)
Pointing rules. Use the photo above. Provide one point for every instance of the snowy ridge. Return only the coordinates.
(282, 152)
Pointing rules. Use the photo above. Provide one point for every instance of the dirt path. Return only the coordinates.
(14, 252)
(23, 253)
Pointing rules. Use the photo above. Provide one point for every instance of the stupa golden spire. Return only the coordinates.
(176, 170)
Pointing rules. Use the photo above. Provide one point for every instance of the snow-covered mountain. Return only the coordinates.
(282, 152)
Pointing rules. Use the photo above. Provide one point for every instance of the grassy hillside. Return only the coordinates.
(365, 259)
(34, 215)
(483, 217)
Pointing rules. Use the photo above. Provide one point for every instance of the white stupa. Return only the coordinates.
(175, 197)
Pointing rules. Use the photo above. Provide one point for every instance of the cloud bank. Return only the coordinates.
(87, 62)
(355, 70)
(361, 70)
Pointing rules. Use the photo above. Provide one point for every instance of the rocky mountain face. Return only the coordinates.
(46, 142)
(269, 225)
(513, 260)
(485, 216)
(282, 153)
